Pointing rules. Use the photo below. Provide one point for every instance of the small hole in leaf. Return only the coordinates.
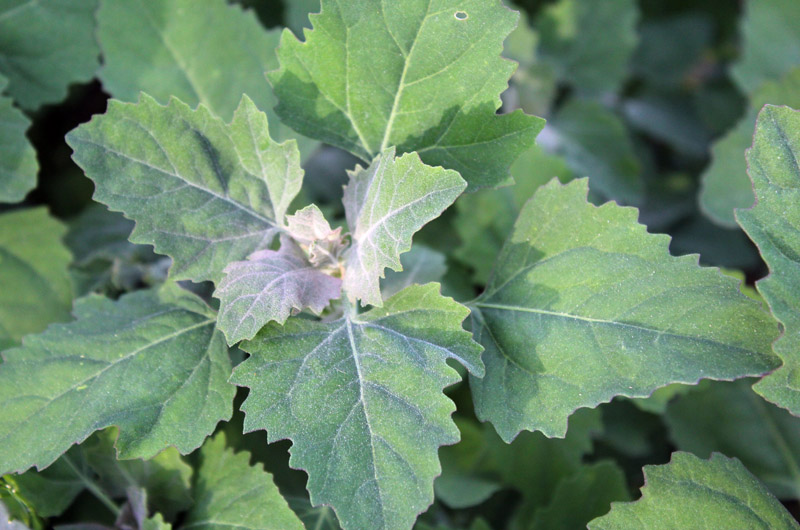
(461, 15)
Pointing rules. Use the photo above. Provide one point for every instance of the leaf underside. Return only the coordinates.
(584, 305)
(361, 399)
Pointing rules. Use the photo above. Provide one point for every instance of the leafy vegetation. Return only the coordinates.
(443, 265)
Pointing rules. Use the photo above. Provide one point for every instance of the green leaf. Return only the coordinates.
(484, 219)
(35, 287)
(725, 183)
(595, 144)
(209, 56)
(774, 225)
(311, 231)
(771, 42)
(589, 43)
(319, 518)
(230, 493)
(583, 496)
(585, 305)
(45, 45)
(18, 165)
(296, 14)
(361, 400)
(420, 265)
(703, 494)
(51, 491)
(385, 205)
(151, 363)
(732, 419)
(202, 192)
(269, 286)
(417, 76)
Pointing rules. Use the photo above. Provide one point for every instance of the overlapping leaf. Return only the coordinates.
(151, 363)
(45, 45)
(385, 205)
(230, 493)
(209, 56)
(35, 286)
(725, 182)
(18, 165)
(203, 192)
(732, 419)
(584, 305)
(269, 286)
(703, 494)
(361, 399)
(421, 76)
(774, 225)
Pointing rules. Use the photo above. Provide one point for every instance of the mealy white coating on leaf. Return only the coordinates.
(361, 399)
(309, 228)
(203, 192)
(269, 286)
(385, 205)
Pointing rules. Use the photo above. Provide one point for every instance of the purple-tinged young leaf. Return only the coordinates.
(309, 228)
(270, 285)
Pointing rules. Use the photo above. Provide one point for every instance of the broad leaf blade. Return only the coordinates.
(209, 56)
(18, 165)
(774, 225)
(419, 76)
(585, 305)
(202, 192)
(361, 399)
(45, 45)
(226, 483)
(703, 494)
(269, 286)
(151, 363)
(35, 287)
(386, 204)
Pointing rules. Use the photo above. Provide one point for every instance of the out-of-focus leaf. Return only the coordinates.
(45, 45)
(732, 419)
(595, 144)
(771, 38)
(35, 287)
(583, 496)
(18, 165)
(420, 265)
(584, 305)
(589, 43)
(700, 494)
